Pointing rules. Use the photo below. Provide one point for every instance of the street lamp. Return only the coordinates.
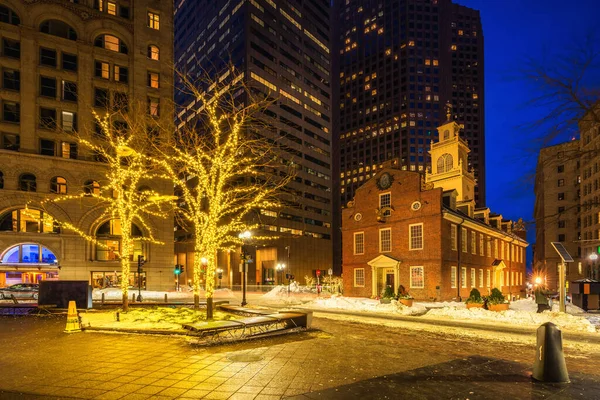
(280, 267)
(593, 256)
(244, 236)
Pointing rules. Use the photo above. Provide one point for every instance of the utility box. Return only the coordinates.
(586, 294)
(59, 293)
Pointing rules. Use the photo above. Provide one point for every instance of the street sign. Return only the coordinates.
(330, 271)
(562, 252)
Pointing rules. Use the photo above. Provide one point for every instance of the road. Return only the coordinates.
(338, 359)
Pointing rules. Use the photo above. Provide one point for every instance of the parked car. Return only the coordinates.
(20, 291)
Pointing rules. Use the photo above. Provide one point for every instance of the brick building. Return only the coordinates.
(425, 233)
(60, 61)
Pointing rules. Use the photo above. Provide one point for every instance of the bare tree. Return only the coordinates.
(225, 166)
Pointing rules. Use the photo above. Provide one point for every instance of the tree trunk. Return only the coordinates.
(125, 302)
(209, 308)
(196, 301)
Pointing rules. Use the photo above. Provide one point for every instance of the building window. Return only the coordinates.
(69, 121)
(102, 70)
(58, 28)
(11, 142)
(385, 240)
(91, 187)
(153, 52)
(108, 236)
(453, 238)
(11, 80)
(47, 87)
(58, 185)
(385, 200)
(27, 183)
(28, 220)
(481, 248)
(417, 277)
(480, 278)
(11, 112)
(560, 169)
(69, 62)
(121, 74)
(120, 101)
(1, 180)
(463, 277)
(69, 150)
(153, 80)
(359, 277)
(48, 118)
(496, 248)
(359, 243)
(473, 277)
(101, 97)
(561, 182)
(153, 20)
(561, 196)
(463, 240)
(47, 147)
(488, 278)
(111, 8)
(48, 57)
(11, 48)
(8, 16)
(153, 106)
(112, 43)
(69, 91)
(561, 237)
(415, 237)
(473, 243)
(453, 277)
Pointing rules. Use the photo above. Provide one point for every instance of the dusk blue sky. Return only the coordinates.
(514, 30)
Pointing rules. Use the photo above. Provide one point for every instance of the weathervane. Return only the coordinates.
(448, 111)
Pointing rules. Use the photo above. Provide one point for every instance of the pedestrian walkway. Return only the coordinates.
(472, 378)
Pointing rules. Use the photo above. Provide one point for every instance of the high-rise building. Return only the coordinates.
(60, 61)
(281, 49)
(557, 204)
(401, 62)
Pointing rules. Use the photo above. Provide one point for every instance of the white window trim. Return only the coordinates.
(473, 278)
(454, 237)
(454, 272)
(463, 277)
(410, 237)
(480, 278)
(488, 278)
(381, 206)
(411, 274)
(354, 243)
(380, 241)
(473, 242)
(463, 240)
(364, 277)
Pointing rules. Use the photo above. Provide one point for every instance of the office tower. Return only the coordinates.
(60, 61)
(401, 62)
(282, 50)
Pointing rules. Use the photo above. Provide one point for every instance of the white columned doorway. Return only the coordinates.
(385, 270)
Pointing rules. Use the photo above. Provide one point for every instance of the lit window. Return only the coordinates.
(415, 240)
(453, 277)
(68, 122)
(112, 8)
(153, 107)
(453, 238)
(453, 47)
(472, 277)
(480, 278)
(359, 277)
(58, 184)
(385, 200)
(487, 279)
(153, 20)
(463, 277)
(359, 243)
(385, 240)
(153, 52)
(463, 240)
(153, 80)
(417, 277)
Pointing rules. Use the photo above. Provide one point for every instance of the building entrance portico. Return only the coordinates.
(385, 271)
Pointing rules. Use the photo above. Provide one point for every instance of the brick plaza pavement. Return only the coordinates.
(339, 360)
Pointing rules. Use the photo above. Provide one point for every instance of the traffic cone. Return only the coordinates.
(72, 319)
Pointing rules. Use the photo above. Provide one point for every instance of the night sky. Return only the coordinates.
(514, 30)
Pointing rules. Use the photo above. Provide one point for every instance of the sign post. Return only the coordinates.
(565, 257)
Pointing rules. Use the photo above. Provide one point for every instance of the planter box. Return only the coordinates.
(498, 307)
(407, 302)
(474, 305)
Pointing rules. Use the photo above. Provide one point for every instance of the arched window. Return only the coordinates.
(58, 28)
(445, 163)
(153, 52)
(108, 236)
(112, 43)
(28, 253)
(58, 185)
(1, 180)
(91, 187)
(27, 183)
(28, 220)
(8, 16)
(446, 134)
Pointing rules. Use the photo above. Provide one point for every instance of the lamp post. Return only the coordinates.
(244, 236)
(289, 274)
(220, 275)
(280, 267)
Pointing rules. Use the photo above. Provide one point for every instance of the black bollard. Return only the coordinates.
(549, 365)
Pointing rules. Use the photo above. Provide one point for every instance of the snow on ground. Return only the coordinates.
(365, 305)
(115, 294)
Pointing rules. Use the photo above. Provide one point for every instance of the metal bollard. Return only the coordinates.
(166, 300)
(133, 298)
(549, 365)
(102, 298)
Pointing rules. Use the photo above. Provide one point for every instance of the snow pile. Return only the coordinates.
(442, 304)
(366, 305)
(520, 313)
(115, 294)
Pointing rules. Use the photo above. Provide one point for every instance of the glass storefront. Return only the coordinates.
(103, 280)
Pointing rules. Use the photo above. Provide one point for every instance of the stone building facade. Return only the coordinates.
(427, 235)
(61, 61)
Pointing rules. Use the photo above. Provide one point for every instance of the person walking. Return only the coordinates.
(541, 299)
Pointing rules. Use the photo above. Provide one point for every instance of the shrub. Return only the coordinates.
(402, 290)
(496, 297)
(388, 293)
(475, 296)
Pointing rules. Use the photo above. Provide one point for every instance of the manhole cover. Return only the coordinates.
(244, 357)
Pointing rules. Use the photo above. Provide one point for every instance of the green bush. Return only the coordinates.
(475, 297)
(388, 293)
(496, 297)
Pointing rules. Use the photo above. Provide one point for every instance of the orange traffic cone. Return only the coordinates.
(72, 319)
